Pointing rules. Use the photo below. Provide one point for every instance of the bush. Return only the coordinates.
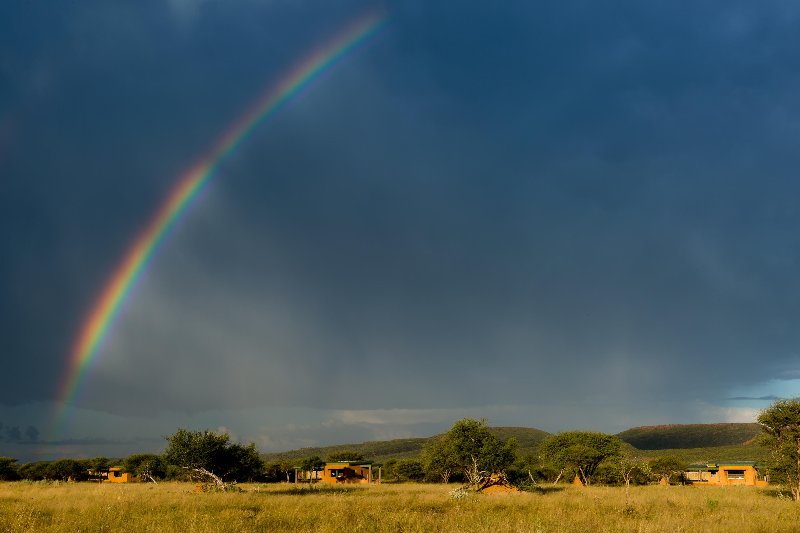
(410, 470)
(8, 469)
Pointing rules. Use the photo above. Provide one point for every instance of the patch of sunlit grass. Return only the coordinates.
(411, 507)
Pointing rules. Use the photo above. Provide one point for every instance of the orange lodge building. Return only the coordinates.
(116, 475)
(347, 472)
(726, 474)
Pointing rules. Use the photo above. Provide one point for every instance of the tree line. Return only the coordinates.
(468, 452)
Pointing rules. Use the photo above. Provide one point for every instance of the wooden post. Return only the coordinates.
(295, 475)
(380, 468)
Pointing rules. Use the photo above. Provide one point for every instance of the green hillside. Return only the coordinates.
(411, 448)
(734, 452)
(689, 435)
(377, 451)
(690, 442)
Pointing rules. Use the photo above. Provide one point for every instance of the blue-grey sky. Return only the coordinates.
(552, 214)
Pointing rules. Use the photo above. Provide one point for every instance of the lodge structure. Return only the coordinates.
(726, 474)
(347, 472)
(116, 475)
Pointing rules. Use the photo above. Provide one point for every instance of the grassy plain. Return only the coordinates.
(176, 507)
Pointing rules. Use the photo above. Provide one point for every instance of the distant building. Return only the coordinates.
(726, 474)
(116, 475)
(347, 472)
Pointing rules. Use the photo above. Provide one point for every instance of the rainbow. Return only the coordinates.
(135, 261)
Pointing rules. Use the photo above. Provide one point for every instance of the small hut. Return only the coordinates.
(116, 475)
(347, 472)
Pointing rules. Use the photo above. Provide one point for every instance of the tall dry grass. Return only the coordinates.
(176, 507)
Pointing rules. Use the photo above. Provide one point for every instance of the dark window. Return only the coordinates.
(735, 474)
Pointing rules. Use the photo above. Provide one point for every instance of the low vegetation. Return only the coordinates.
(438, 488)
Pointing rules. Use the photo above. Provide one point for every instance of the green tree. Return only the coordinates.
(470, 447)
(441, 458)
(8, 469)
(146, 466)
(663, 468)
(780, 424)
(631, 470)
(34, 471)
(245, 462)
(97, 467)
(312, 465)
(528, 470)
(98, 464)
(211, 456)
(580, 452)
(280, 470)
(277, 471)
(67, 470)
(410, 470)
(390, 470)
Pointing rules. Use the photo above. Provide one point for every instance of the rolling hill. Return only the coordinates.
(411, 448)
(689, 435)
(689, 442)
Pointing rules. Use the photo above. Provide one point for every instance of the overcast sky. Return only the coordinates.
(554, 214)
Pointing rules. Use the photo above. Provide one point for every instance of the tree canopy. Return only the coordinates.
(666, 467)
(780, 424)
(207, 454)
(8, 469)
(312, 465)
(146, 466)
(580, 451)
(469, 447)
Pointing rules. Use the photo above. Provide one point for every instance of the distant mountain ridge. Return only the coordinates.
(681, 436)
(726, 440)
(410, 448)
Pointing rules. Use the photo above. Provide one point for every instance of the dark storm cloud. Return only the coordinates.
(106, 105)
(521, 204)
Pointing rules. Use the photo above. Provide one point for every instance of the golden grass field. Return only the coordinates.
(281, 507)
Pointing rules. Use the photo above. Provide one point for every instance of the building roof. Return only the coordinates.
(715, 466)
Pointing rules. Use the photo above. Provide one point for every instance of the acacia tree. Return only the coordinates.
(312, 465)
(664, 468)
(410, 470)
(629, 468)
(146, 466)
(440, 458)
(211, 456)
(67, 470)
(286, 468)
(34, 471)
(8, 469)
(579, 451)
(279, 471)
(780, 424)
(469, 446)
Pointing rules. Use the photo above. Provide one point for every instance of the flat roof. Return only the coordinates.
(707, 466)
